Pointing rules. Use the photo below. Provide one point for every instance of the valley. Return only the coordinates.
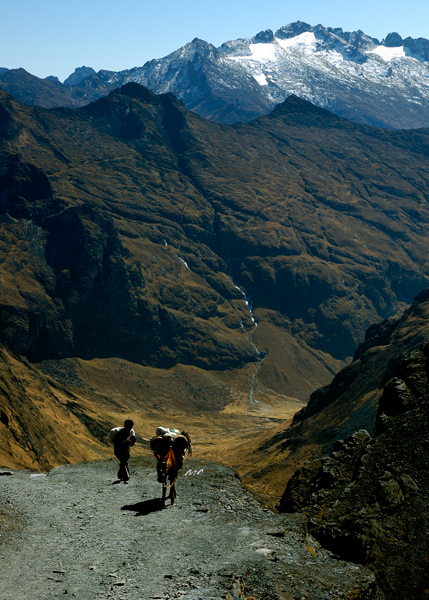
(136, 233)
(257, 285)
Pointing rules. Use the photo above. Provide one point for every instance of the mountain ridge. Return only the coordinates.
(349, 73)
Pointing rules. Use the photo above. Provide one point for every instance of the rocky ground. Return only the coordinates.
(76, 532)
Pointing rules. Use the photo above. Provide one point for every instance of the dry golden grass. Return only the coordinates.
(61, 411)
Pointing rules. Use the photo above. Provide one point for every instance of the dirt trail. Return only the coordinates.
(75, 533)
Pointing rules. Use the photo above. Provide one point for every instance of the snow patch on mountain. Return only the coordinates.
(304, 40)
(261, 78)
(262, 53)
(389, 54)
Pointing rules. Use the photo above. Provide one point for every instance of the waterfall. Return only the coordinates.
(260, 355)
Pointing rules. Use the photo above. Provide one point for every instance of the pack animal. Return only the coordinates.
(170, 452)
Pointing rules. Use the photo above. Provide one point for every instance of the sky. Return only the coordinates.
(53, 37)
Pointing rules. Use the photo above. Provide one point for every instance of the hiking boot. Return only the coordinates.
(123, 473)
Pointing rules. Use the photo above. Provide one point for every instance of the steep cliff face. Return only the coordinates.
(348, 404)
(368, 500)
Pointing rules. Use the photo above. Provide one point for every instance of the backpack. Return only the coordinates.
(112, 434)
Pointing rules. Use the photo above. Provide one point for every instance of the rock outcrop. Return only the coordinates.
(367, 501)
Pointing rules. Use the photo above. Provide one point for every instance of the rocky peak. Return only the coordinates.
(328, 40)
(359, 39)
(263, 37)
(236, 47)
(393, 40)
(418, 48)
(79, 75)
(53, 78)
(294, 105)
(134, 90)
(292, 30)
(199, 47)
(348, 44)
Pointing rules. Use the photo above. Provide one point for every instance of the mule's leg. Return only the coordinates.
(162, 468)
(173, 492)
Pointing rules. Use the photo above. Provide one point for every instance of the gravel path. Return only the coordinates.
(75, 532)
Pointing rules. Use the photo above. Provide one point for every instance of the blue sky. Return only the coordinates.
(53, 37)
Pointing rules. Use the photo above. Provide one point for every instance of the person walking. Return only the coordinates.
(123, 438)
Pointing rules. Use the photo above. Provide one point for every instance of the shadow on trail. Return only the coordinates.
(146, 507)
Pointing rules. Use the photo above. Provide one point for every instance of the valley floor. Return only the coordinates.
(76, 532)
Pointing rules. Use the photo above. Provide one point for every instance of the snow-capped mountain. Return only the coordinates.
(352, 74)
(356, 76)
(204, 78)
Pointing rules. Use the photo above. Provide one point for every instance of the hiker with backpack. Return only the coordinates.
(123, 438)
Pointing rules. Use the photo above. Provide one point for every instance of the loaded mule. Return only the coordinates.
(170, 448)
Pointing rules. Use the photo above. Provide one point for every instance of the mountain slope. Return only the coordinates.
(142, 232)
(297, 201)
(42, 423)
(349, 403)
